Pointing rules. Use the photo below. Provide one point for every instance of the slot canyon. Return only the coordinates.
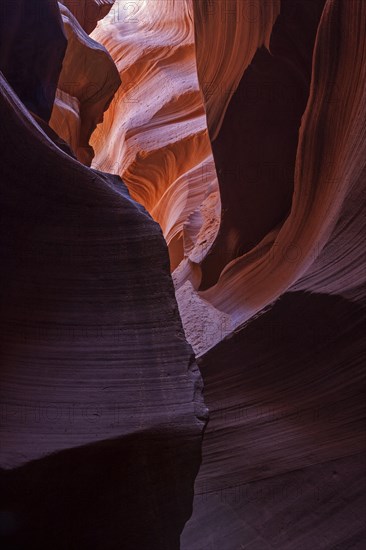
(183, 273)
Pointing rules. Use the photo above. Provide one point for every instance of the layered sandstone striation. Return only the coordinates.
(155, 134)
(102, 412)
(239, 237)
(239, 128)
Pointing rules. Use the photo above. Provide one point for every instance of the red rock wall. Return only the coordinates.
(239, 126)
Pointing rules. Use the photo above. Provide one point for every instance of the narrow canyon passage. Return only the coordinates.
(182, 254)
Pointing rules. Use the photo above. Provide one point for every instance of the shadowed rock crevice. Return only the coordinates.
(133, 492)
(255, 150)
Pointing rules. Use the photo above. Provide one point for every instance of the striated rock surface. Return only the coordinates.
(228, 34)
(328, 179)
(101, 406)
(283, 460)
(256, 167)
(154, 134)
(284, 451)
(240, 127)
(89, 361)
(237, 242)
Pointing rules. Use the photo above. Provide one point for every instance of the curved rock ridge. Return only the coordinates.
(228, 34)
(256, 167)
(328, 180)
(87, 84)
(89, 12)
(96, 370)
(155, 133)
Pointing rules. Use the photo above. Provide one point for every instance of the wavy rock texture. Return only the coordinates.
(256, 170)
(154, 134)
(283, 461)
(240, 127)
(237, 263)
(228, 34)
(327, 178)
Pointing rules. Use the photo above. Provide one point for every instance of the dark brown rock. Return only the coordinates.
(284, 451)
(95, 366)
(32, 47)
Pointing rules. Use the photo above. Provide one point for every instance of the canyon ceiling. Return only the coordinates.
(182, 274)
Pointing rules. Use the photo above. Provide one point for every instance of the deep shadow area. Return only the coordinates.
(283, 455)
(129, 493)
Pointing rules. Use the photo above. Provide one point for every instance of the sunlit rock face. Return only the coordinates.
(155, 134)
(297, 206)
(239, 127)
(239, 237)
